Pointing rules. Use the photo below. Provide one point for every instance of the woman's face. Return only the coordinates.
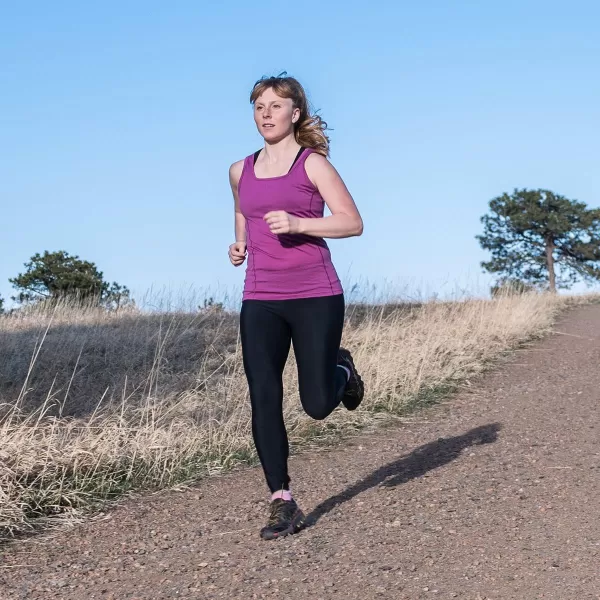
(274, 116)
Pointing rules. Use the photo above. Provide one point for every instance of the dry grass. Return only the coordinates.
(96, 404)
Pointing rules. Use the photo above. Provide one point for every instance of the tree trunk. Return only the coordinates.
(550, 263)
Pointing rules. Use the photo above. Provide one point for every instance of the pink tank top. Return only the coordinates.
(284, 267)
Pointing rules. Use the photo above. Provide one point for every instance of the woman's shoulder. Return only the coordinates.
(316, 158)
(317, 165)
(235, 170)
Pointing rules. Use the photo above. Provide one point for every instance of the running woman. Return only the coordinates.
(292, 293)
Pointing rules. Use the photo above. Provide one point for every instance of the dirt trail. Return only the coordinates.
(493, 495)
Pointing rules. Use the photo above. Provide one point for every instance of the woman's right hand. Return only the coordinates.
(237, 253)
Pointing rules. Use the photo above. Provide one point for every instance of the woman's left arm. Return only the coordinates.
(344, 221)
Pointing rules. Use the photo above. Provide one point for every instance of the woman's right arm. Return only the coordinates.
(235, 172)
(237, 250)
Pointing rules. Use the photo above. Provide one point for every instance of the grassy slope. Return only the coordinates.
(95, 405)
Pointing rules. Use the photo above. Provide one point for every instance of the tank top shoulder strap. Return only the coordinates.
(301, 160)
(248, 165)
(300, 154)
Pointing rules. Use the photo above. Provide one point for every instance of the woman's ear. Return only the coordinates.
(295, 115)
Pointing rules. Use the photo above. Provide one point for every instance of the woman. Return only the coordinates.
(291, 292)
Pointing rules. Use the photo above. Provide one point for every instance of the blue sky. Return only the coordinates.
(118, 123)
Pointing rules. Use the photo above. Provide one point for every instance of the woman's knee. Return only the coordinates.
(317, 407)
(266, 397)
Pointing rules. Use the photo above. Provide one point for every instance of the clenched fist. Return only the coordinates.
(237, 253)
(281, 222)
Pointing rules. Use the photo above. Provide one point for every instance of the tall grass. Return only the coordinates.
(93, 404)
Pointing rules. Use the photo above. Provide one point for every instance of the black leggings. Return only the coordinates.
(314, 326)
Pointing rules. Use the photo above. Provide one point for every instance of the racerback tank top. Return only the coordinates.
(290, 266)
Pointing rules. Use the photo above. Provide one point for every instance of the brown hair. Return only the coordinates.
(309, 129)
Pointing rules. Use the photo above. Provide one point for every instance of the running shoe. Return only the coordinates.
(355, 388)
(286, 518)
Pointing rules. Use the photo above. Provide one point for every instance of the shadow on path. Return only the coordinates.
(421, 460)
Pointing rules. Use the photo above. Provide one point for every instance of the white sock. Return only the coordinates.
(347, 371)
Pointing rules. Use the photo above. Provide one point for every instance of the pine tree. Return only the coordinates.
(542, 238)
(56, 275)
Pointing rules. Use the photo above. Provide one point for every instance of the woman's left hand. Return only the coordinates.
(280, 222)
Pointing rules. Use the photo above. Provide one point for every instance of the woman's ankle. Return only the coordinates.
(282, 494)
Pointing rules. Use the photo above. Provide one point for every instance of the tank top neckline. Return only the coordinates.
(301, 154)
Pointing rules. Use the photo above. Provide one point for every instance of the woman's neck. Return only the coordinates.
(282, 150)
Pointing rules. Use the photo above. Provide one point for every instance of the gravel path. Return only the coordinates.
(492, 495)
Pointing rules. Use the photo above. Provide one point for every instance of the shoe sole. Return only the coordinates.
(295, 526)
